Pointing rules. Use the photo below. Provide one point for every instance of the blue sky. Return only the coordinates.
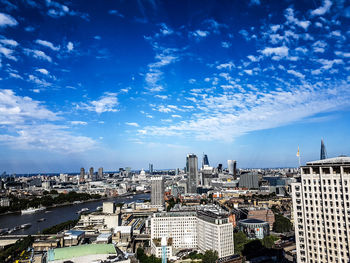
(127, 83)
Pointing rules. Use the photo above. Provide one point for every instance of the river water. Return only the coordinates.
(57, 215)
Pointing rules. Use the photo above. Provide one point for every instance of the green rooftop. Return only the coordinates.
(79, 251)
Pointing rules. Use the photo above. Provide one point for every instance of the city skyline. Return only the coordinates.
(138, 82)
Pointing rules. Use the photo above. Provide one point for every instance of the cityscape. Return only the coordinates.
(189, 131)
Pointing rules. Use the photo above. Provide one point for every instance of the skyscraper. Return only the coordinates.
(323, 154)
(205, 160)
(157, 191)
(321, 205)
(150, 168)
(231, 164)
(100, 172)
(192, 173)
(91, 172)
(82, 174)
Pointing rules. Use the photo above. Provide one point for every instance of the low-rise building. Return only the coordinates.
(86, 254)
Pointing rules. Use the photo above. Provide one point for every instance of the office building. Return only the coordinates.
(192, 173)
(249, 180)
(202, 230)
(157, 191)
(321, 205)
(205, 160)
(215, 232)
(232, 166)
(82, 174)
(100, 172)
(91, 172)
(150, 168)
(180, 226)
(323, 153)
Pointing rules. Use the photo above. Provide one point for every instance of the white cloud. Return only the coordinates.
(9, 42)
(47, 44)
(7, 52)
(7, 20)
(227, 116)
(17, 110)
(296, 73)
(248, 71)
(229, 65)
(115, 12)
(40, 82)
(200, 33)
(15, 75)
(134, 124)
(70, 46)
(225, 44)
(342, 54)
(106, 103)
(319, 46)
(163, 97)
(38, 54)
(47, 137)
(322, 9)
(289, 15)
(253, 59)
(277, 52)
(165, 30)
(78, 122)
(42, 71)
(176, 116)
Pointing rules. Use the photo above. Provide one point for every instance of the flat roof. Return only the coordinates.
(331, 161)
(252, 221)
(79, 251)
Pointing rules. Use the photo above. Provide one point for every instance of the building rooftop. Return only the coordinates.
(331, 161)
(79, 251)
(252, 221)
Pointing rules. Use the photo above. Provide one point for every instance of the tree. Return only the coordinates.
(252, 249)
(281, 224)
(210, 256)
(269, 241)
(240, 240)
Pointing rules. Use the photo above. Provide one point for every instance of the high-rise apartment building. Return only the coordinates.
(192, 173)
(157, 191)
(321, 207)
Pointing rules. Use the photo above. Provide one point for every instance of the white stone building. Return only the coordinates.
(202, 230)
(321, 207)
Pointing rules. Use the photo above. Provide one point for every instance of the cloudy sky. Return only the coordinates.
(127, 83)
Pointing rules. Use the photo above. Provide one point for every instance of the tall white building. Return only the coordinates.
(321, 207)
(202, 230)
(157, 191)
(180, 226)
(215, 232)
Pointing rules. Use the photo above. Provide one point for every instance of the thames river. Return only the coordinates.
(57, 215)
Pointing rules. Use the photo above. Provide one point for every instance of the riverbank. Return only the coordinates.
(56, 215)
(81, 202)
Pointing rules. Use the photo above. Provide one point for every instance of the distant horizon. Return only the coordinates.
(135, 82)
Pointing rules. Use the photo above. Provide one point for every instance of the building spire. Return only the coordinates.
(323, 154)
